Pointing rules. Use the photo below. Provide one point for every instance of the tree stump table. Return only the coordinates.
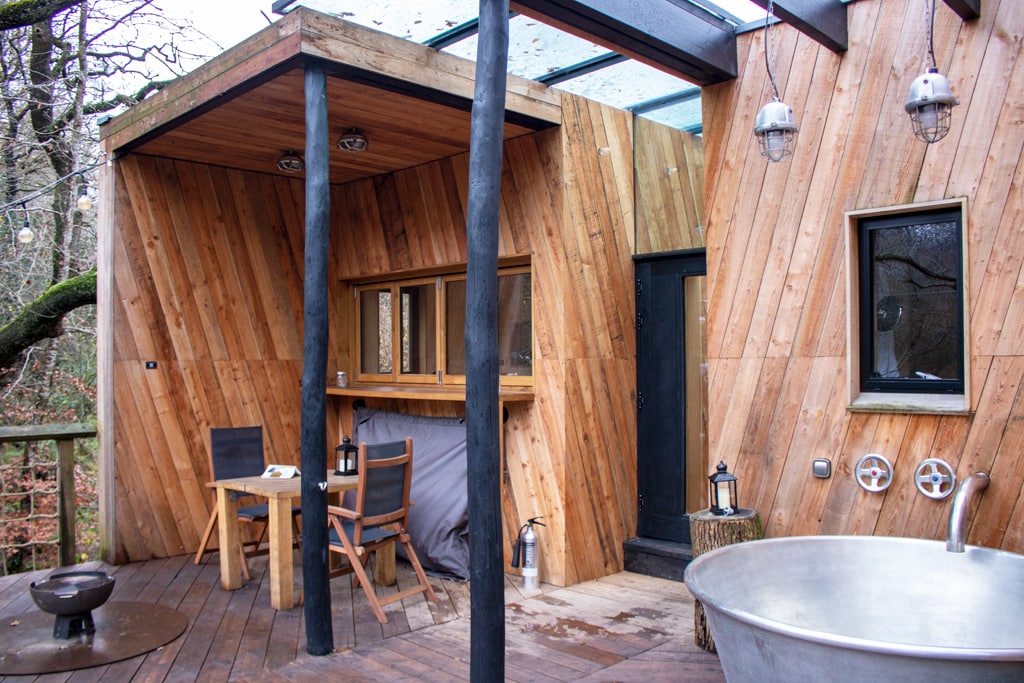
(707, 532)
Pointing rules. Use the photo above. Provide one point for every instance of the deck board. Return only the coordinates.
(624, 627)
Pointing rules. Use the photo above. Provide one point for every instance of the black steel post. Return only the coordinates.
(317, 609)
(486, 556)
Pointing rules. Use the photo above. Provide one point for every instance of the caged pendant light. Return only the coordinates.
(931, 100)
(775, 126)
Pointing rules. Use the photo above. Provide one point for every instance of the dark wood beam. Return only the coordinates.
(313, 434)
(966, 9)
(483, 466)
(677, 38)
(822, 20)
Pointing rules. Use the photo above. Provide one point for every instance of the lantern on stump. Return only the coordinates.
(347, 456)
(723, 492)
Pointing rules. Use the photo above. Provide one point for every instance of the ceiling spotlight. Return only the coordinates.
(290, 162)
(930, 105)
(353, 140)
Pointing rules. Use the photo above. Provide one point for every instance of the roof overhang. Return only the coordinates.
(245, 107)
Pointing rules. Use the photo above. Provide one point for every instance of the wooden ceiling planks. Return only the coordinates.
(245, 108)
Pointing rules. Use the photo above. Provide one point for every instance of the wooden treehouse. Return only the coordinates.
(672, 301)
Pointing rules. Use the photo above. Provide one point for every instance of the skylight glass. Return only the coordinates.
(537, 50)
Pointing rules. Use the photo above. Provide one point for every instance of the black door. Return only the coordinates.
(668, 295)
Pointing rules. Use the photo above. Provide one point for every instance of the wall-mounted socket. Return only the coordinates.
(822, 468)
(151, 365)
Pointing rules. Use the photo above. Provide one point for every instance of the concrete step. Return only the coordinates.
(654, 557)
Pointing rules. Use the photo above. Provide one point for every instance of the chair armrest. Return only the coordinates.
(342, 512)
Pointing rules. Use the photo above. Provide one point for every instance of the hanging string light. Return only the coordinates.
(25, 235)
(84, 201)
(931, 100)
(775, 126)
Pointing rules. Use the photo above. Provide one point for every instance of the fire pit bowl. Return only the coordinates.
(72, 596)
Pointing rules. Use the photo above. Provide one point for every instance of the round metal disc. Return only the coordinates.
(123, 630)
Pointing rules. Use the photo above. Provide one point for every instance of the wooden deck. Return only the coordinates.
(624, 627)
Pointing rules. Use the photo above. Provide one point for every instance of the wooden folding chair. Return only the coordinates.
(380, 518)
(238, 452)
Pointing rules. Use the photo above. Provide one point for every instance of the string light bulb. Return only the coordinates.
(84, 202)
(25, 235)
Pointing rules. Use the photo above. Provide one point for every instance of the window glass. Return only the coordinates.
(515, 325)
(455, 327)
(912, 303)
(375, 325)
(418, 305)
(423, 327)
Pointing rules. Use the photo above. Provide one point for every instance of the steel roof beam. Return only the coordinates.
(683, 39)
(822, 20)
(967, 9)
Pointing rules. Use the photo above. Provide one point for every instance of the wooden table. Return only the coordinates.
(279, 494)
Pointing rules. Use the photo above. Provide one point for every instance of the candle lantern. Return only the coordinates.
(347, 456)
(723, 492)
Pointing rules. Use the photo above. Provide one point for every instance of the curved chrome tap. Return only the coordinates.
(965, 493)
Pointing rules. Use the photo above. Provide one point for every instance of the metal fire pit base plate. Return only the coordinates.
(123, 630)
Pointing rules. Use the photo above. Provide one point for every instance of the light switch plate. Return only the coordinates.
(822, 468)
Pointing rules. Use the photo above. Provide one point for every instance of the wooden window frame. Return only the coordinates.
(895, 396)
(440, 376)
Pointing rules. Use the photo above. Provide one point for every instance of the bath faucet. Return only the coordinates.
(965, 493)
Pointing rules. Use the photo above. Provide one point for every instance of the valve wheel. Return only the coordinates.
(935, 478)
(873, 472)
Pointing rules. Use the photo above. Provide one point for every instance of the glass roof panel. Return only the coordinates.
(536, 49)
(416, 20)
(624, 84)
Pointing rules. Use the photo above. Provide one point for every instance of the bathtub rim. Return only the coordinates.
(868, 645)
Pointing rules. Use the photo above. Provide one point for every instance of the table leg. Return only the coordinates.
(282, 582)
(227, 525)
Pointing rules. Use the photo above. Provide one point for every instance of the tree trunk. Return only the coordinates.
(708, 532)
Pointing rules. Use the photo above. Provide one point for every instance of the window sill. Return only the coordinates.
(938, 404)
(425, 392)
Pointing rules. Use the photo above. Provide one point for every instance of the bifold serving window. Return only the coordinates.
(412, 330)
(907, 321)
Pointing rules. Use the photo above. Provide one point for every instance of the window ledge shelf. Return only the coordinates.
(938, 404)
(425, 392)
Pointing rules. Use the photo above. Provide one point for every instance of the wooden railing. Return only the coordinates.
(64, 435)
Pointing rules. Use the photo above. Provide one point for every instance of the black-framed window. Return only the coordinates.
(911, 294)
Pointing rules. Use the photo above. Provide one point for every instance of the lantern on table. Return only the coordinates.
(346, 456)
(723, 492)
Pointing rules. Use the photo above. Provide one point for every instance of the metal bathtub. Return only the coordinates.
(862, 608)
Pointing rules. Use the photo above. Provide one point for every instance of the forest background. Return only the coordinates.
(66, 65)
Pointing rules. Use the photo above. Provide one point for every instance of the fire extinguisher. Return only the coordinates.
(526, 545)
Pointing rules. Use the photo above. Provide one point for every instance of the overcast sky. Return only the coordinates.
(227, 21)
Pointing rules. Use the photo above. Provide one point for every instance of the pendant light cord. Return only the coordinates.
(930, 11)
(769, 33)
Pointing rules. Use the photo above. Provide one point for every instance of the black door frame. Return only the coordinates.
(661, 391)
